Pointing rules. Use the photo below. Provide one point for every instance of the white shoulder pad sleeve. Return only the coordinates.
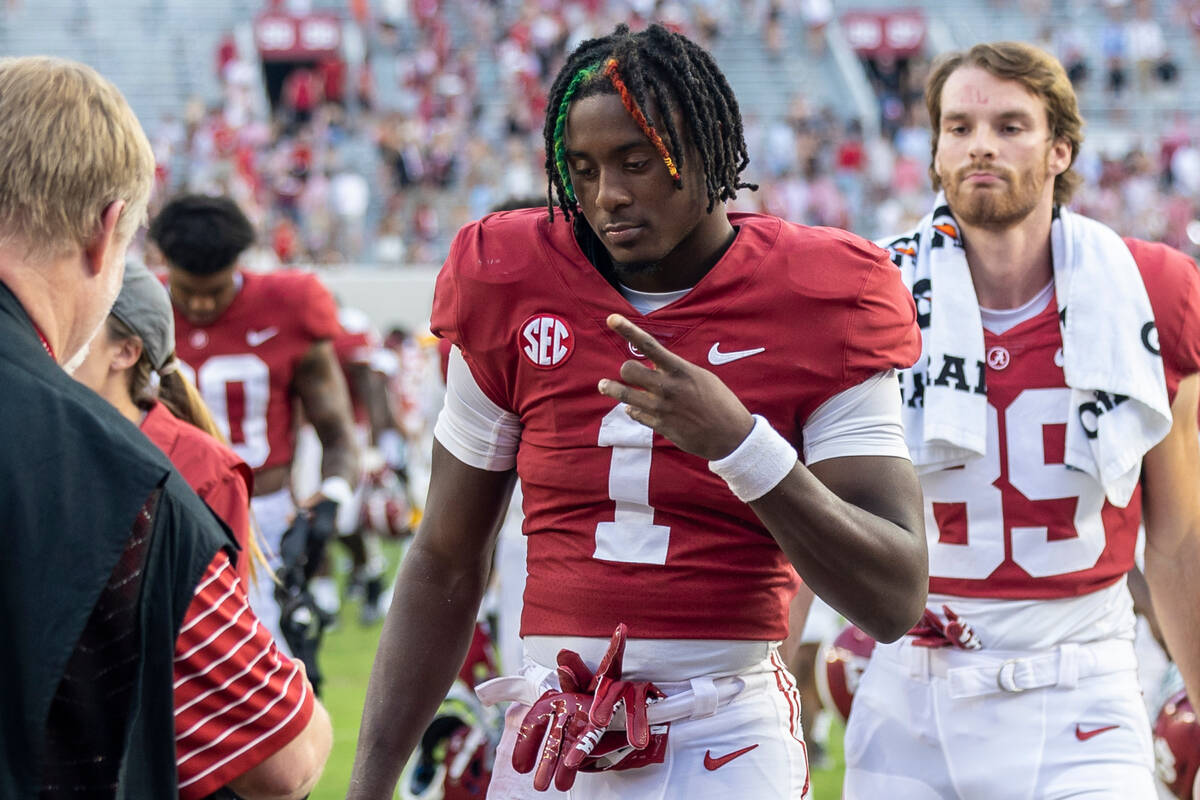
(475, 430)
(863, 420)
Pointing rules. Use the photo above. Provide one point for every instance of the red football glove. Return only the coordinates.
(568, 724)
(954, 632)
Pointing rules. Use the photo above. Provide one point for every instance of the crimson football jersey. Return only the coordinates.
(1017, 523)
(622, 525)
(244, 362)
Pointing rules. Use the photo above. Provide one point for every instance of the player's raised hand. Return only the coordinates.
(678, 399)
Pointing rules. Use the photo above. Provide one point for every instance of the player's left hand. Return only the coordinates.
(678, 399)
(549, 731)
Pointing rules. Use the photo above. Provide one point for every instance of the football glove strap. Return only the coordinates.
(566, 730)
(302, 548)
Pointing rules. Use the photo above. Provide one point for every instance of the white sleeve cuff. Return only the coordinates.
(863, 420)
(475, 430)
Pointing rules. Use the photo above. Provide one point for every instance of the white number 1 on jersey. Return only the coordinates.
(632, 536)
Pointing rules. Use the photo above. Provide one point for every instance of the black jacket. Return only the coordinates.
(103, 544)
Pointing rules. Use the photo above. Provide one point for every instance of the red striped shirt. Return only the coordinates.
(238, 699)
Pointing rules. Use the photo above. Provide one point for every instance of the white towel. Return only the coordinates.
(1110, 357)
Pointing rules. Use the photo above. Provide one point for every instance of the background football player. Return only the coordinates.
(380, 505)
(1054, 407)
(257, 344)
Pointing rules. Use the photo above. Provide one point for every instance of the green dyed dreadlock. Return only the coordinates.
(673, 72)
(560, 122)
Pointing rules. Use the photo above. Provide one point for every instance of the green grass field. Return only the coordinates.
(346, 660)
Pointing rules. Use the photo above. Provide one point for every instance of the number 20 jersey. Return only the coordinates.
(623, 526)
(244, 362)
(1028, 550)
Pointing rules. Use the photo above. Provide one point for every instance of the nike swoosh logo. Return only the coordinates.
(717, 358)
(1083, 735)
(255, 338)
(711, 763)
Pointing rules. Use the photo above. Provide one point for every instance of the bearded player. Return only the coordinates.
(649, 364)
(1055, 407)
(256, 344)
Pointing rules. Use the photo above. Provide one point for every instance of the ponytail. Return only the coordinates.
(183, 400)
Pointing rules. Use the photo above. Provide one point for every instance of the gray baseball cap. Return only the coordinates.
(145, 308)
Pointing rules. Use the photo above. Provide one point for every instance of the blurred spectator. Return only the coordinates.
(226, 53)
(817, 15)
(349, 196)
(301, 95)
(1147, 45)
(1114, 45)
(432, 146)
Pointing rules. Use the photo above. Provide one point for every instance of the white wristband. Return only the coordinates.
(337, 489)
(760, 462)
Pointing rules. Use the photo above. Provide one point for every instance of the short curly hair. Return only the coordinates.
(201, 234)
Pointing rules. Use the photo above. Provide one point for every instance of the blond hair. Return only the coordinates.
(69, 147)
(1035, 69)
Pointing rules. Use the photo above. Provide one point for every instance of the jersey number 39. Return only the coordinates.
(1029, 475)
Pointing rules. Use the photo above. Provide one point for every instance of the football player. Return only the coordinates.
(255, 344)
(369, 368)
(1054, 408)
(841, 662)
(648, 364)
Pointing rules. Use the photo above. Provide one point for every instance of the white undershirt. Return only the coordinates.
(1002, 320)
(862, 420)
(647, 302)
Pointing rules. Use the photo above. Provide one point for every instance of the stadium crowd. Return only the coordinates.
(386, 173)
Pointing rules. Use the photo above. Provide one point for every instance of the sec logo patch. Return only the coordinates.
(546, 340)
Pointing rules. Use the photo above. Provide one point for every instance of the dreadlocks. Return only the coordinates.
(672, 72)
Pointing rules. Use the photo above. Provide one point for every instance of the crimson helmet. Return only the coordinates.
(468, 760)
(840, 664)
(1177, 745)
